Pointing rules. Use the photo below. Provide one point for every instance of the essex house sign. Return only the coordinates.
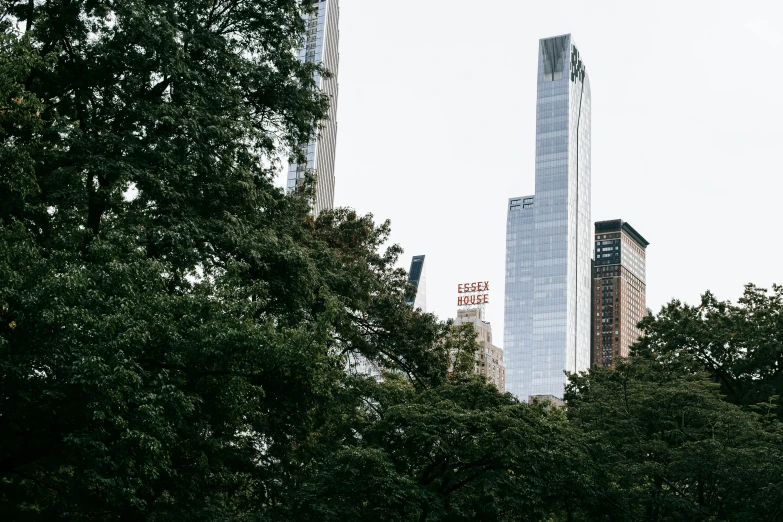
(473, 294)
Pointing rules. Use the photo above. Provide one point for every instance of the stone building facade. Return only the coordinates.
(489, 360)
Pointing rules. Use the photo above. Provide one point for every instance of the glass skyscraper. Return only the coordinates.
(549, 235)
(321, 46)
(417, 277)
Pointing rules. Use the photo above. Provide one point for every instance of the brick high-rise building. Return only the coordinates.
(619, 290)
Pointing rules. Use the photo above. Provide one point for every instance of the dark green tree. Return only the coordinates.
(462, 347)
(664, 445)
(176, 333)
(739, 345)
(173, 327)
(457, 451)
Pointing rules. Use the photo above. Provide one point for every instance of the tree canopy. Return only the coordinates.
(173, 324)
(667, 446)
(177, 333)
(739, 345)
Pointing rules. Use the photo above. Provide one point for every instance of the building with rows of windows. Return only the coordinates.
(321, 46)
(549, 235)
(619, 290)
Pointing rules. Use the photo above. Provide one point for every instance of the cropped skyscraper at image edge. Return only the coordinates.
(321, 46)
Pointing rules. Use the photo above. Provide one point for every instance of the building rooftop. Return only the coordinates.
(616, 225)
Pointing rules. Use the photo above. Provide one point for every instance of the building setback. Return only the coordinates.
(489, 358)
(321, 46)
(619, 290)
(549, 235)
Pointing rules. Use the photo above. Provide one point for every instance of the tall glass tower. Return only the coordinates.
(321, 47)
(417, 277)
(548, 235)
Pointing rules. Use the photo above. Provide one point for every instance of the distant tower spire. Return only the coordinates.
(417, 277)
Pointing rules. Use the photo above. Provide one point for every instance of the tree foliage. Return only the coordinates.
(739, 345)
(458, 451)
(173, 324)
(176, 332)
(667, 446)
(462, 347)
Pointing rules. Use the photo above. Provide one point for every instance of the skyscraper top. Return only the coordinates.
(554, 53)
(617, 225)
(417, 277)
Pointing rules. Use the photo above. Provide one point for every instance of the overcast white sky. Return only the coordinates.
(436, 119)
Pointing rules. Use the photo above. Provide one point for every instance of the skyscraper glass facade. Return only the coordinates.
(549, 235)
(321, 46)
(417, 277)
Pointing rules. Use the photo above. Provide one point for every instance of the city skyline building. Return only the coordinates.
(619, 290)
(417, 277)
(549, 235)
(489, 358)
(321, 46)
